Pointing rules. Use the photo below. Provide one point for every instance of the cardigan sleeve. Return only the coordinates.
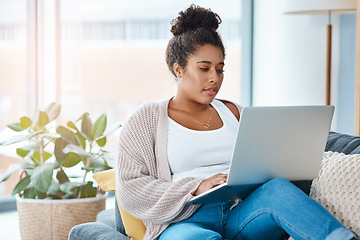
(140, 190)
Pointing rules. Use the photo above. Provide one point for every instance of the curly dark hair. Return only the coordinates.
(193, 28)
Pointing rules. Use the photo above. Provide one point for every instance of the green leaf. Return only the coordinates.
(68, 135)
(86, 126)
(41, 119)
(69, 186)
(60, 144)
(42, 177)
(69, 195)
(87, 191)
(62, 177)
(72, 125)
(47, 155)
(53, 111)
(22, 153)
(36, 162)
(99, 126)
(77, 150)
(51, 136)
(40, 195)
(14, 139)
(36, 155)
(21, 185)
(106, 155)
(98, 165)
(25, 122)
(15, 127)
(29, 192)
(13, 168)
(53, 189)
(82, 139)
(71, 160)
(82, 116)
(101, 141)
(81, 136)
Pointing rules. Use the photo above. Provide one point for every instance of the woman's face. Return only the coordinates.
(202, 77)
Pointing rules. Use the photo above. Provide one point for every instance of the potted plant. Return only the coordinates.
(50, 151)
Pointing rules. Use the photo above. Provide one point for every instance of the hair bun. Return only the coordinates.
(193, 18)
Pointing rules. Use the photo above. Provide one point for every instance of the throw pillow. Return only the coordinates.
(134, 228)
(337, 188)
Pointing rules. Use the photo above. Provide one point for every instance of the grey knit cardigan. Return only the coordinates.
(143, 177)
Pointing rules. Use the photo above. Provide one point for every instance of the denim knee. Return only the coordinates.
(277, 182)
(94, 231)
(189, 231)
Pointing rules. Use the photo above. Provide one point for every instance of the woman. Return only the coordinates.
(173, 150)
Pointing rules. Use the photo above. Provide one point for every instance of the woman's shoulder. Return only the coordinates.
(148, 112)
(150, 108)
(234, 107)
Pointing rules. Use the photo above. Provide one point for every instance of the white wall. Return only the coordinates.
(289, 56)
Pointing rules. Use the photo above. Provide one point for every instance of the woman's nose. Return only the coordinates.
(214, 78)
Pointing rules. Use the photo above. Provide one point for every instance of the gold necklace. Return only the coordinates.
(205, 125)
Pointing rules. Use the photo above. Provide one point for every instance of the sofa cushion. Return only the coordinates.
(343, 143)
(134, 228)
(106, 180)
(337, 188)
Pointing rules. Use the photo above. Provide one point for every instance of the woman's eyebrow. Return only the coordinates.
(208, 62)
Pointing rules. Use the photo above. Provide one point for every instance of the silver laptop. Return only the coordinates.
(272, 142)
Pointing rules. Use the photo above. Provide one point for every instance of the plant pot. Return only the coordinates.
(53, 219)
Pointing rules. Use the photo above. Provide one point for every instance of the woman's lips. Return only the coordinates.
(211, 91)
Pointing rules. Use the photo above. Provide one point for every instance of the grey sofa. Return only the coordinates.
(109, 224)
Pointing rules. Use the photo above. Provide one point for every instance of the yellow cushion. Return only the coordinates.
(106, 180)
(135, 228)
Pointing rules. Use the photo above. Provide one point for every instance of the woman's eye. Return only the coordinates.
(217, 70)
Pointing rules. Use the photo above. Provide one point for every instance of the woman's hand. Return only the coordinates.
(211, 182)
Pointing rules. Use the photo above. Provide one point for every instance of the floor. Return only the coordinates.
(9, 224)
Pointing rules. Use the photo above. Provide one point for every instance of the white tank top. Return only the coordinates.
(202, 154)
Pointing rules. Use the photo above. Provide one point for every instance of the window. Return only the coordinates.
(113, 54)
(13, 76)
(97, 56)
(13, 60)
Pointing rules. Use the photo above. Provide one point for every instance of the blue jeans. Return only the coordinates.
(95, 231)
(272, 211)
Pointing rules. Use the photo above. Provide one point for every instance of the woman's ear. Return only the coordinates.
(177, 70)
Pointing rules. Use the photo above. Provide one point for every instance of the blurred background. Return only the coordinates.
(94, 56)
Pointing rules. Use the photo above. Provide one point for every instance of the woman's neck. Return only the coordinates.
(189, 105)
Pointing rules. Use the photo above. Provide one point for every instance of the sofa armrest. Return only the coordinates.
(107, 217)
(343, 143)
(112, 218)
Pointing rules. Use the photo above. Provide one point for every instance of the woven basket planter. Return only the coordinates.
(53, 219)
